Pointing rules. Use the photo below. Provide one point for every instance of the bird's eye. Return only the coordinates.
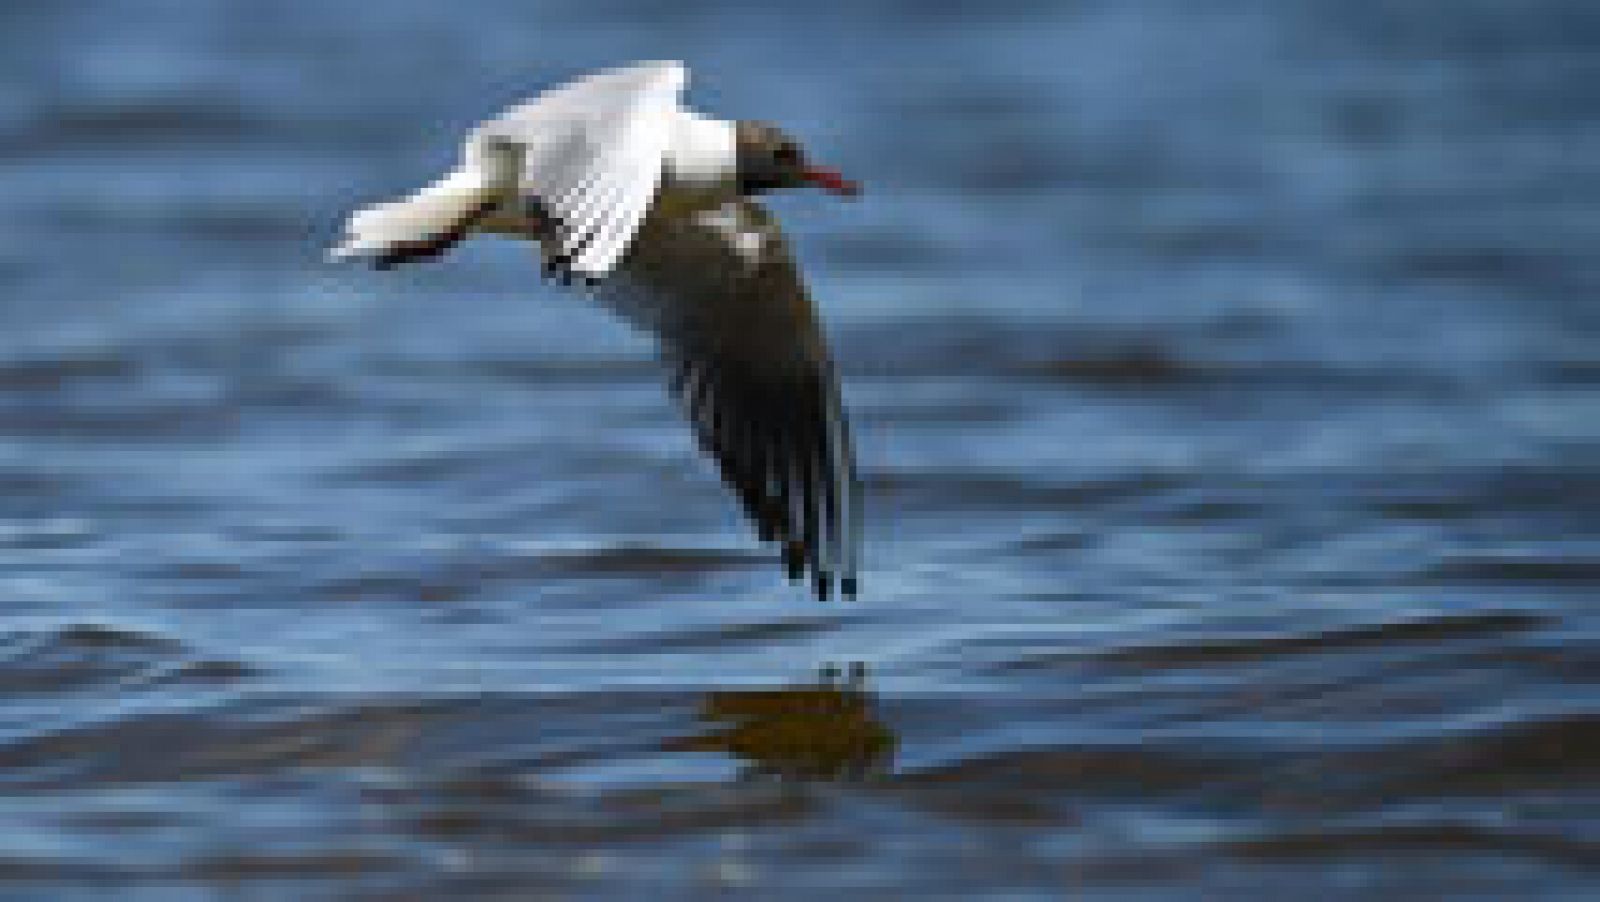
(788, 154)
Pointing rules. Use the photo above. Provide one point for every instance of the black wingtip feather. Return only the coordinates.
(794, 560)
(775, 452)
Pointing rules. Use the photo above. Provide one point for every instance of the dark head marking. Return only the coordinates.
(770, 160)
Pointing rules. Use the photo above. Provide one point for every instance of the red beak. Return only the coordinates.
(831, 181)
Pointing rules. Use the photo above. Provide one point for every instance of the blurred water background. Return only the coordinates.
(1225, 375)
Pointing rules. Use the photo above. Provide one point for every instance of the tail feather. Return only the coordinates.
(426, 223)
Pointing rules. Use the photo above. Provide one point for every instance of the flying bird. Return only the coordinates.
(649, 206)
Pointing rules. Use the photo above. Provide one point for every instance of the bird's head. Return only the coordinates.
(769, 160)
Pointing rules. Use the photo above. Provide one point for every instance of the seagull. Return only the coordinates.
(648, 205)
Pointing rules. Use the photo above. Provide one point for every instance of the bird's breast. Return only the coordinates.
(677, 200)
(701, 151)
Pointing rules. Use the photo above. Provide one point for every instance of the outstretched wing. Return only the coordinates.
(592, 154)
(749, 363)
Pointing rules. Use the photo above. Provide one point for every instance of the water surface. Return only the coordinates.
(1224, 376)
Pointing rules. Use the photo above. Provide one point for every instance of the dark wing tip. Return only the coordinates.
(779, 439)
(794, 555)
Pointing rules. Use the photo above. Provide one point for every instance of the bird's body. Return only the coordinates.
(624, 189)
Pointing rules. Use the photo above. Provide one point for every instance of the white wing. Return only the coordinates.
(592, 155)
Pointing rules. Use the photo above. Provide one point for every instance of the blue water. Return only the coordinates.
(1225, 378)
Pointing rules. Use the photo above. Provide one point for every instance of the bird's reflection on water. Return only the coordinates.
(826, 729)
